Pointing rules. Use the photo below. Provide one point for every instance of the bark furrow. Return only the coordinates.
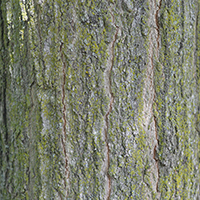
(154, 118)
(64, 136)
(108, 85)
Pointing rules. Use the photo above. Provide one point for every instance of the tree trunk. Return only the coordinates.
(99, 99)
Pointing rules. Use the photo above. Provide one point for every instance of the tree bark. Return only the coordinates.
(99, 99)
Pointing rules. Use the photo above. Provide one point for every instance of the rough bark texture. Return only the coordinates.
(99, 99)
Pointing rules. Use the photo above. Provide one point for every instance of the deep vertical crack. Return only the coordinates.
(108, 85)
(158, 27)
(154, 117)
(150, 93)
(64, 135)
(3, 98)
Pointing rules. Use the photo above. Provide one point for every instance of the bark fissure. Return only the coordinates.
(4, 87)
(150, 105)
(158, 26)
(154, 117)
(64, 136)
(106, 117)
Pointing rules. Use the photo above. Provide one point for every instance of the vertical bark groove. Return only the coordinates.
(150, 94)
(110, 93)
(154, 117)
(158, 26)
(64, 136)
(4, 86)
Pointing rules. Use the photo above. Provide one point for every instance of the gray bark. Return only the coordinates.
(99, 99)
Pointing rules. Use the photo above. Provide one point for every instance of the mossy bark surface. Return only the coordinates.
(99, 99)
